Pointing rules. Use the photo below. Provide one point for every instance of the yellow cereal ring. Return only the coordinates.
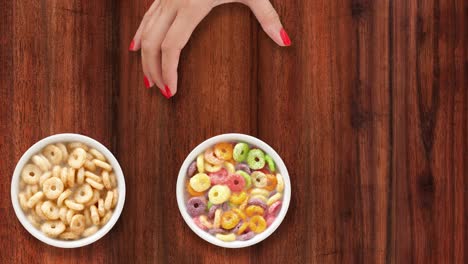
(53, 187)
(92, 176)
(73, 205)
(90, 231)
(31, 174)
(64, 195)
(212, 168)
(77, 224)
(98, 155)
(242, 228)
(191, 191)
(219, 194)
(205, 222)
(274, 198)
(239, 213)
(259, 179)
(80, 176)
(229, 220)
(227, 238)
(115, 198)
(89, 165)
(106, 218)
(53, 154)
(44, 176)
(68, 236)
(96, 185)
(77, 158)
(95, 199)
(69, 216)
(50, 210)
(64, 151)
(217, 218)
(200, 182)
(53, 228)
(280, 183)
(102, 164)
(75, 145)
(244, 204)
(108, 200)
(200, 163)
(84, 194)
(257, 224)
(238, 198)
(94, 214)
(254, 210)
(23, 201)
(106, 180)
(38, 209)
(34, 199)
(41, 162)
(258, 191)
(229, 167)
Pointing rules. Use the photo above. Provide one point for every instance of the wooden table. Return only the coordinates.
(368, 109)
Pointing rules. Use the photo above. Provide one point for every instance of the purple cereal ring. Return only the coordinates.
(212, 211)
(235, 229)
(256, 201)
(196, 206)
(192, 169)
(272, 193)
(225, 206)
(274, 208)
(214, 231)
(244, 167)
(247, 236)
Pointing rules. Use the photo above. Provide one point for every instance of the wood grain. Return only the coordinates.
(368, 109)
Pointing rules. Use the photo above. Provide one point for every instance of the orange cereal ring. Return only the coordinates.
(239, 213)
(271, 182)
(238, 198)
(257, 224)
(229, 220)
(252, 210)
(191, 191)
(223, 151)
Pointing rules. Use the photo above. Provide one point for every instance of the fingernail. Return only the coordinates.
(168, 92)
(285, 37)
(132, 45)
(147, 82)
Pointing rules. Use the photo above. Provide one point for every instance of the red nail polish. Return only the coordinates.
(147, 82)
(132, 45)
(285, 37)
(168, 92)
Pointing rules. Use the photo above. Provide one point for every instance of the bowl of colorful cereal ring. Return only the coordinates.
(68, 190)
(233, 190)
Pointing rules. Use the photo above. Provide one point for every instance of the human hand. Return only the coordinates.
(166, 28)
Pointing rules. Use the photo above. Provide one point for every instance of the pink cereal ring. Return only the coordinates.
(198, 223)
(211, 157)
(235, 182)
(218, 177)
(274, 208)
(270, 220)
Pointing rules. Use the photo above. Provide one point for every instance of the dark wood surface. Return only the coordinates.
(368, 109)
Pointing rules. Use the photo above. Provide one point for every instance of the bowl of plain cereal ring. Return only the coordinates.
(233, 190)
(68, 190)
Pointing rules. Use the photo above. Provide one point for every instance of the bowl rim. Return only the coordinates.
(281, 168)
(62, 138)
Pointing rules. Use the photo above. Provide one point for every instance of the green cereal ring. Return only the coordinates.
(240, 152)
(208, 205)
(248, 180)
(256, 159)
(271, 163)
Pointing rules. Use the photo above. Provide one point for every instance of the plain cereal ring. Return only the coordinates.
(41, 162)
(77, 224)
(106, 180)
(96, 185)
(101, 209)
(227, 238)
(56, 171)
(34, 220)
(31, 174)
(53, 228)
(75, 145)
(64, 151)
(95, 199)
(74, 205)
(113, 180)
(84, 194)
(280, 183)
(90, 231)
(52, 188)
(77, 158)
(94, 214)
(217, 218)
(274, 198)
(63, 214)
(98, 155)
(64, 176)
(34, 199)
(39, 212)
(87, 216)
(116, 198)
(23, 201)
(69, 216)
(108, 200)
(68, 236)
(53, 154)
(92, 176)
(71, 177)
(50, 210)
(80, 176)
(31, 190)
(64, 195)
(106, 218)
(89, 165)
(44, 176)
(102, 164)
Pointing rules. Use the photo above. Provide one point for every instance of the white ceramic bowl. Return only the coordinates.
(37, 148)
(281, 168)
